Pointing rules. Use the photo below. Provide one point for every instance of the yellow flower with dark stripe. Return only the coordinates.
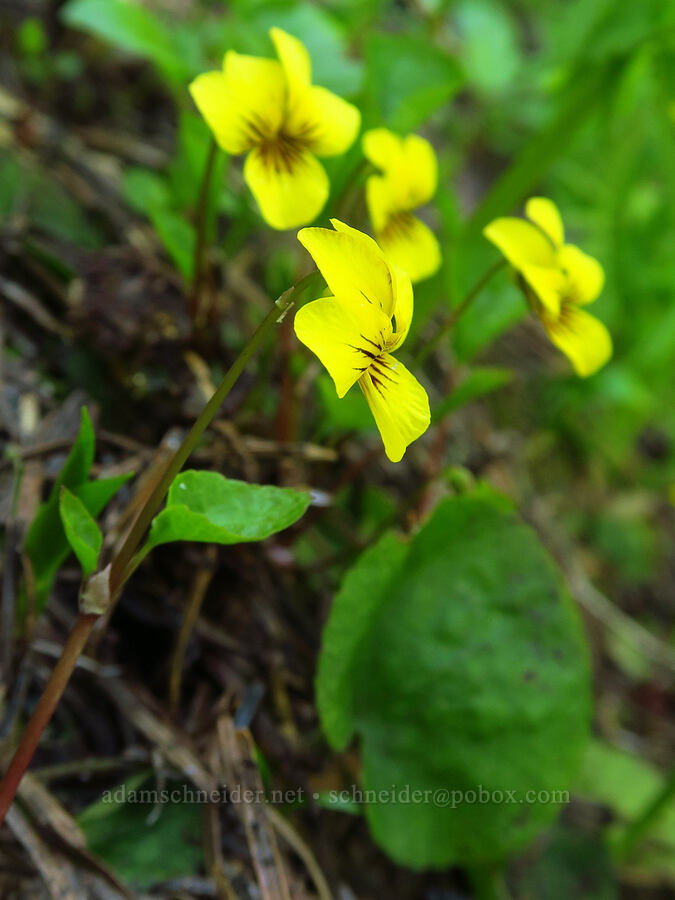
(558, 279)
(407, 180)
(270, 110)
(355, 331)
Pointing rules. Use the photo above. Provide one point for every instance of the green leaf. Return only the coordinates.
(209, 508)
(626, 784)
(31, 37)
(459, 661)
(362, 593)
(574, 864)
(409, 78)
(46, 543)
(131, 833)
(96, 494)
(178, 237)
(82, 532)
(481, 380)
(145, 190)
(78, 463)
(489, 43)
(132, 28)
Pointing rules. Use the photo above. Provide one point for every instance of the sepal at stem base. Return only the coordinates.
(95, 594)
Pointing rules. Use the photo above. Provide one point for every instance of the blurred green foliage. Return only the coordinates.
(572, 100)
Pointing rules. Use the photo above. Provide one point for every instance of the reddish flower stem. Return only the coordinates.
(43, 712)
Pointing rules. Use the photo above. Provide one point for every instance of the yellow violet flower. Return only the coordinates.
(270, 110)
(407, 180)
(354, 331)
(558, 279)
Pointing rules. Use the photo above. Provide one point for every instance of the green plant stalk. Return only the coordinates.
(639, 827)
(129, 557)
(121, 568)
(455, 314)
(347, 197)
(200, 238)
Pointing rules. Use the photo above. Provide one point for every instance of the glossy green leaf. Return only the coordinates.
(459, 661)
(82, 532)
(209, 508)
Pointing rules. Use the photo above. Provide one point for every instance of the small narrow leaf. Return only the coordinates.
(82, 532)
(96, 494)
(76, 467)
(45, 542)
(209, 508)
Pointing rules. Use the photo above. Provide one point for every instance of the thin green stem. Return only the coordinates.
(346, 199)
(454, 315)
(639, 827)
(201, 229)
(129, 556)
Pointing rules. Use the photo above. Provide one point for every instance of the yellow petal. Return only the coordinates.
(402, 292)
(398, 402)
(352, 264)
(408, 165)
(294, 58)
(403, 305)
(344, 334)
(581, 337)
(325, 121)
(242, 104)
(544, 213)
(521, 243)
(585, 275)
(382, 147)
(410, 244)
(290, 187)
(422, 169)
(548, 286)
(381, 201)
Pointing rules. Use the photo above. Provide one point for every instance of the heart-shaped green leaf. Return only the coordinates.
(459, 661)
(209, 508)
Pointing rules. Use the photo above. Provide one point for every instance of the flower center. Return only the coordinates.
(282, 151)
(398, 225)
(374, 365)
